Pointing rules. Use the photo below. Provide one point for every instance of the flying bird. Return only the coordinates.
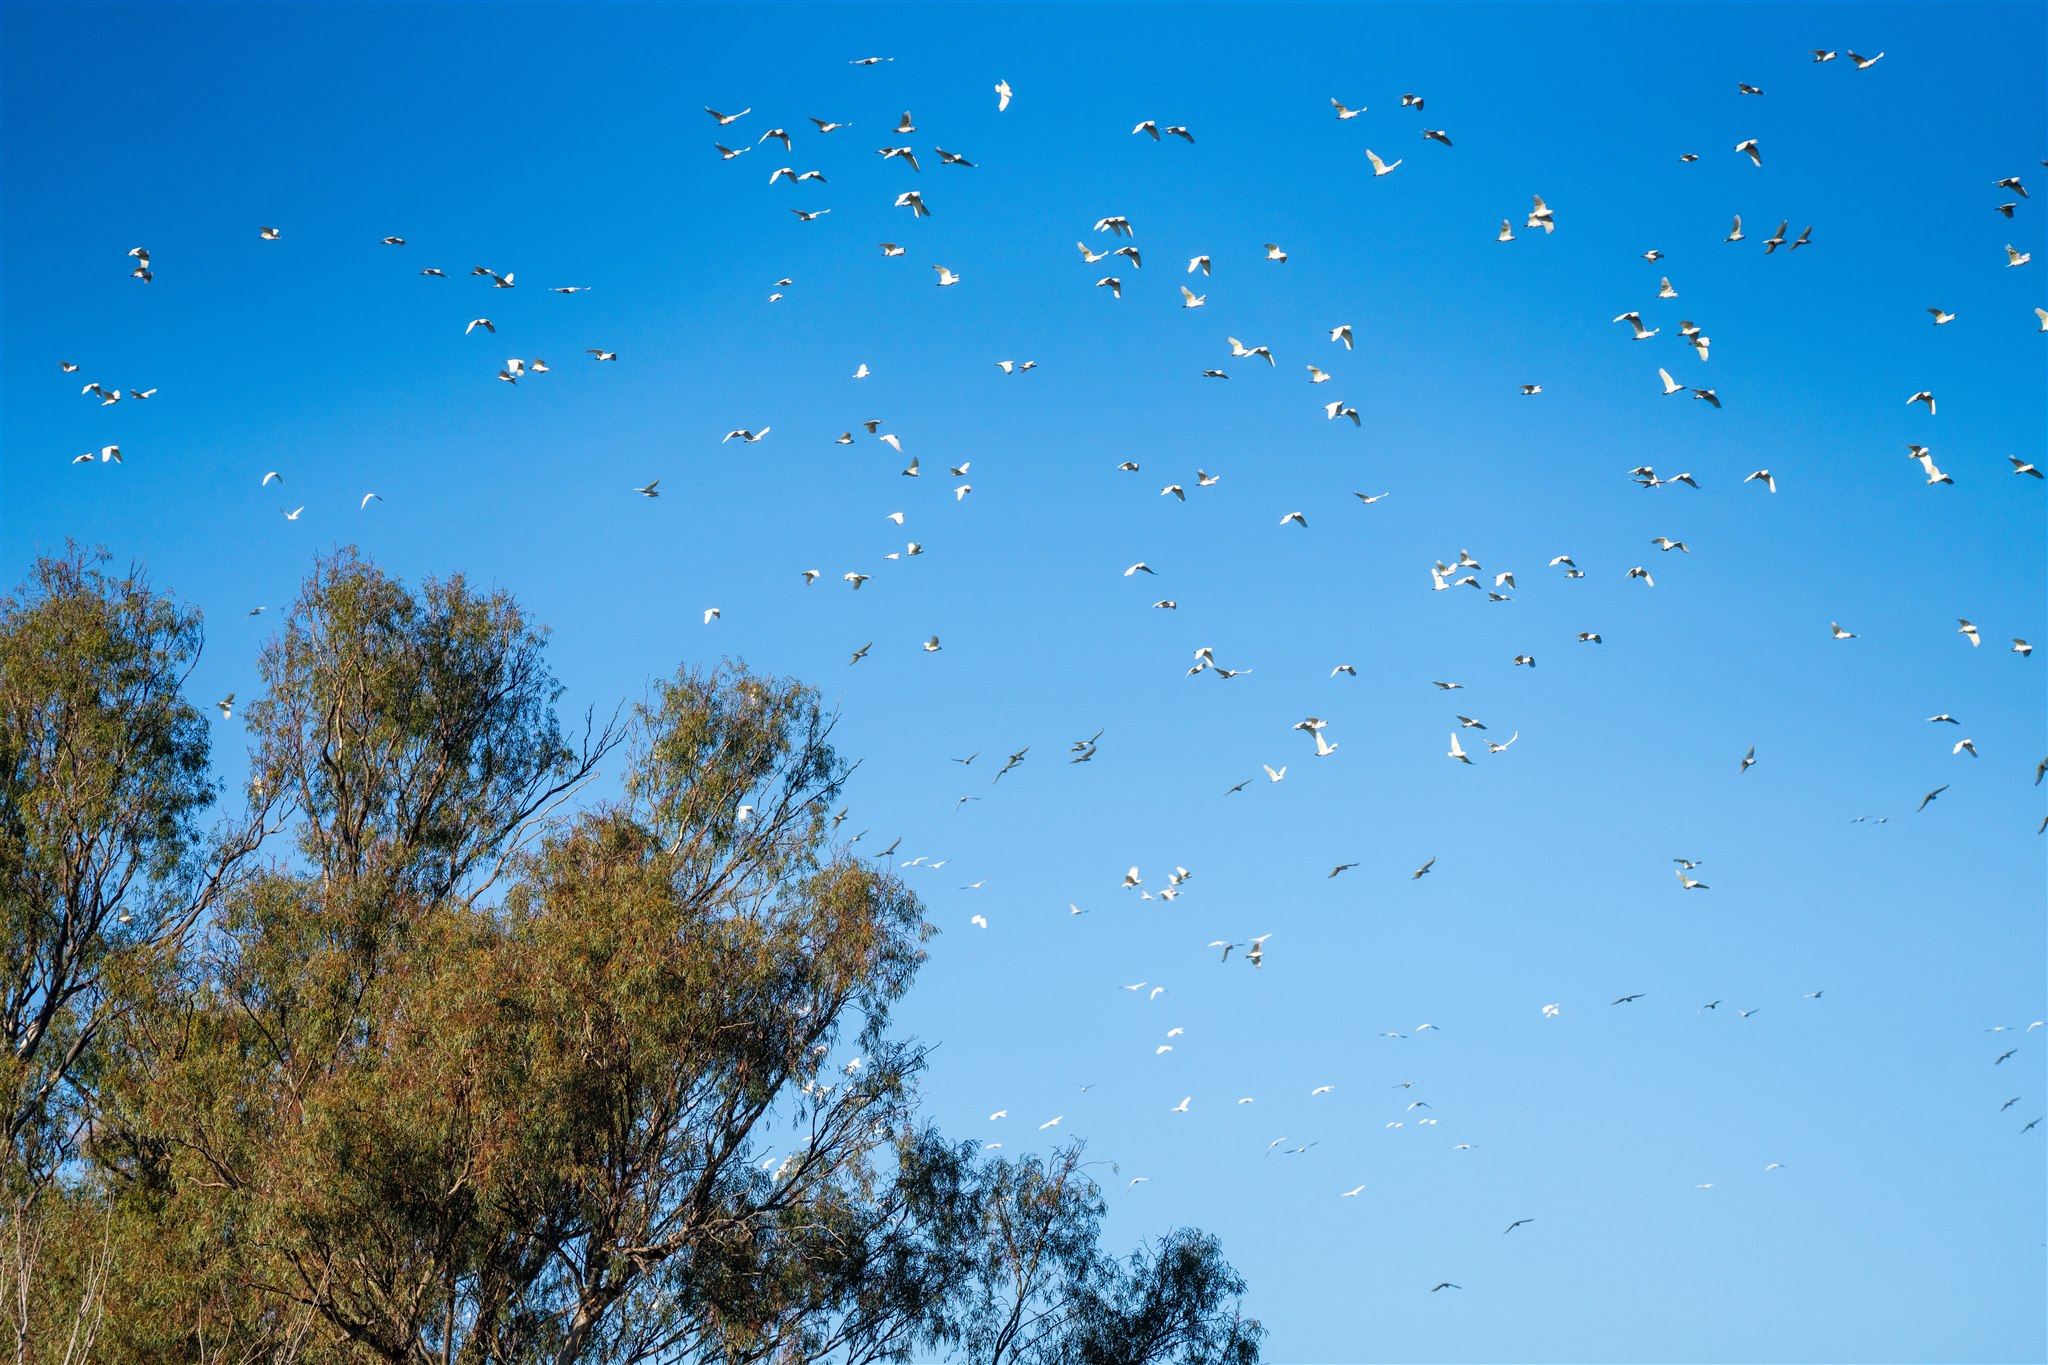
(1635, 321)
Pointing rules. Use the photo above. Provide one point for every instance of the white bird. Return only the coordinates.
(2019, 258)
(1839, 633)
(1274, 774)
(1344, 111)
(1182, 1107)
(1457, 751)
(1003, 93)
(946, 276)
(1749, 148)
(1763, 476)
(711, 614)
(369, 498)
(724, 119)
(292, 515)
(1635, 320)
(1274, 253)
(1380, 167)
(1239, 351)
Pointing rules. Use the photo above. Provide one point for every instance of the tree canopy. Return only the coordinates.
(427, 1051)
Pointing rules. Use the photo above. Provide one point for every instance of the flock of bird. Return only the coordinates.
(1118, 252)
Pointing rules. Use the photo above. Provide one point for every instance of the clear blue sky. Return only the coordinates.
(569, 146)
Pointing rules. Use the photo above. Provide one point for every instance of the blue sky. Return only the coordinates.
(569, 146)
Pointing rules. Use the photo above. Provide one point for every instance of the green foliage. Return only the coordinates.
(482, 1068)
(103, 772)
(1165, 1304)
